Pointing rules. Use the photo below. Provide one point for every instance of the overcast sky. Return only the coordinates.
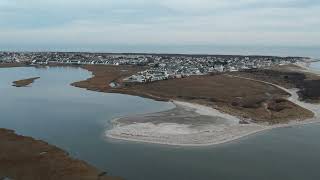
(112, 24)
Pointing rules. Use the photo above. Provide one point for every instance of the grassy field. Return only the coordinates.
(104, 75)
(8, 65)
(236, 96)
(25, 158)
(240, 97)
(289, 77)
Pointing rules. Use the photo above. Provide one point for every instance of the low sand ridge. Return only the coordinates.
(184, 134)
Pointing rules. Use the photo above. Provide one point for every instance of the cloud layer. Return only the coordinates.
(160, 22)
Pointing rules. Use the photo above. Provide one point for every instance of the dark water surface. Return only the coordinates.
(75, 119)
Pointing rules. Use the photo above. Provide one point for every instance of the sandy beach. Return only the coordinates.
(173, 129)
(185, 134)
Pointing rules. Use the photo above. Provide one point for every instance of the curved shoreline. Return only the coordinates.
(24, 157)
(205, 139)
(306, 122)
(230, 134)
(131, 132)
(305, 67)
(257, 128)
(27, 158)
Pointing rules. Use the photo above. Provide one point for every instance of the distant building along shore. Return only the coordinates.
(160, 67)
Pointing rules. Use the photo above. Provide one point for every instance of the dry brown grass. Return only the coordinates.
(236, 96)
(289, 77)
(24, 158)
(24, 82)
(240, 97)
(8, 65)
(103, 75)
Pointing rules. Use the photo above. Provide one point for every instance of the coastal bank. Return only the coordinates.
(25, 158)
(252, 105)
(83, 116)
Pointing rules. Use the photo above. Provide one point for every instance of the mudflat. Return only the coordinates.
(186, 125)
(191, 124)
(24, 158)
(24, 82)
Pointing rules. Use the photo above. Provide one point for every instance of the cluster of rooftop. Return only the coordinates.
(160, 66)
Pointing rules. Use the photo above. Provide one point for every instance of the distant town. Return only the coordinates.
(159, 66)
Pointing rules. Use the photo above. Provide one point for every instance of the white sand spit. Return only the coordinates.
(199, 134)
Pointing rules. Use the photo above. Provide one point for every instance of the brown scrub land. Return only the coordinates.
(244, 98)
(24, 158)
(235, 96)
(24, 82)
(288, 76)
(104, 75)
(8, 65)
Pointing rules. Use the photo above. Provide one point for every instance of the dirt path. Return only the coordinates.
(293, 98)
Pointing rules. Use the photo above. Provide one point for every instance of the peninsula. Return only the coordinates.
(211, 109)
(218, 98)
(26, 158)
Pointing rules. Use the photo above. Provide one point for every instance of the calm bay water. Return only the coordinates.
(315, 65)
(75, 120)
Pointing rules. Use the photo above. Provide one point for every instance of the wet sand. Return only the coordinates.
(185, 125)
(192, 124)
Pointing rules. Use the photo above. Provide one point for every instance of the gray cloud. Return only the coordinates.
(184, 22)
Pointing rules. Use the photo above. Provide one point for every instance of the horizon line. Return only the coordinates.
(153, 53)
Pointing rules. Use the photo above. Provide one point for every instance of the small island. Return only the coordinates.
(24, 82)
